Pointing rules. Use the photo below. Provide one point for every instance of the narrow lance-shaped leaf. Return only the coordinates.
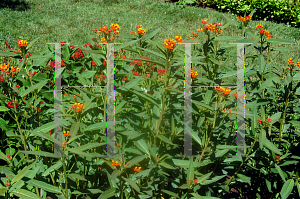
(287, 188)
(22, 173)
(24, 194)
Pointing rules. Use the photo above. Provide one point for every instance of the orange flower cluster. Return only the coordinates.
(135, 73)
(213, 28)
(101, 77)
(265, 33)
(291, 62)
(227, 110)
(107, 32)
(267, 122)
(226, 91)
(277, 158)
(192, 35)
(8, 157)
(22, 43)
(259, 26)
(140, 30)
(125, 79)
(235, 94)
(115, 163)
(194, 74)
(78, 107)
(4, 67)
(195, 181)
(245, 19)
(7, 181)
(171, 43)
(66, 133)
(103, 40)
(137, 169)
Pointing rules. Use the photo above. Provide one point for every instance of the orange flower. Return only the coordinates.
(4, 67)
(66, 133)
(77, 106)
(259, 26)
(200, 29)
(178, 38)
(290, 61)
(298, 64)
(278, 159)
(226, 91)
(22, 43)
(258, 120)
(137, 169)
(115, 163)
(103, 40)
(203, 21)
(170, 44)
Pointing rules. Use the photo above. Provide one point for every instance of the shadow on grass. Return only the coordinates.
(17, 5)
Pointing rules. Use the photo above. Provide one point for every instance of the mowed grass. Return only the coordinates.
(74, 20)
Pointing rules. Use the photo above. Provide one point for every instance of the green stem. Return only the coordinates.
(231, 178)
(66, 180)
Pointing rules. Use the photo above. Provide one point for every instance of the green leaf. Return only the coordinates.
(145, 96)
(33, 42)
(190, 173)
(41, 153)
(74, 138)
(22, 173)
(215, 179)
(89, 146)
(42, 131)
(166, 140)
(3, 190)
(202, 197)
(132, 184)
(96, 59)
(287, 188)
(97, 126)
(24, 194)
(170, 193)
(132, 83)
(115, 174)
(108, 193)
(153, 52)
(261, 61)
(275, 117)
(228, 38)
(78, 152)
(56, 166)
(268, 183)
(81, 79)
(76, 176)
(126, 44)
(74, 128)
(204, 177)
(44, 185)
(262, 139)
(166, 165)
(280, 172)
(136, 160)
(298, 187)
(3, 108)
(32, 88)
(143, 146)
(244, 178)
(272, 147)
(151, 35)
(185, 163)
(279, 41)
(87, 191)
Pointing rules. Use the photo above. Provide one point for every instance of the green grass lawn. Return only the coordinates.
(74, 20)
